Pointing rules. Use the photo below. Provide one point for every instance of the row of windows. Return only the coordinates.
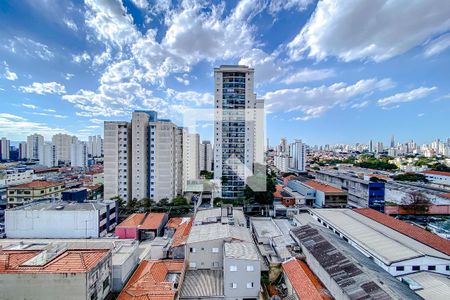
(234, 285)
(249, 268)
(417, 268)
(213, 250)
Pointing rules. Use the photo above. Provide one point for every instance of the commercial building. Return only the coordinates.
(4, 148)
(318, 194)
(438, 177)
(395, 246)
(49, 219)
(142, 226)
(16, 175)
(78, 155)
(235, 132)
(206, 156)
(297, 152)
(28, 192)
(59, 272)
(35, 144)
(361, 193)
(117, 162)
(155, 280)
(345, 272)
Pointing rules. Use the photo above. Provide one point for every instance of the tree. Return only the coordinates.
(206, 174)
(416, 202)
(440, 167)
(179, 201)
(146, 204)
(376, 179)
(411, 177)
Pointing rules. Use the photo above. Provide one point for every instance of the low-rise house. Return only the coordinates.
(142, 226)
(55, 273)
(319, 194)
(28, 192)
(155, 280)
(179, 239)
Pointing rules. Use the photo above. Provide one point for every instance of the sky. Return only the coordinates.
(329, 71)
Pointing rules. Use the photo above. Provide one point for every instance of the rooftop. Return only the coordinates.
(303, 280)
(212, 215)
(181, 234)
(241, 250)
(49, 205)
(37, 184)
(432, 286)
(437, 173)
(322, 187)
(409, 230)
(65, 261)
(214, 231)
(357, 276)
(143, 221)
(211, 284)
(154, 280)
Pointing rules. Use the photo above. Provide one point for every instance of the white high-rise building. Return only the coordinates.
(139, 152)
(23, 150)
(259, 132)
(298, 156)
(162, 159)
(191, 156)
(235, 133)
(49, 155)
(4, 149)
(95, 146)
(63, 145)
(206, 153)
(117, 161)
(35, 143)
(79, 155)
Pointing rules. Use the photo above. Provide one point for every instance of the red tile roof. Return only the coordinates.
(174, 222)
(447, 195)
(437, 173)
(132, 221)
(153, 221)
(37, 184)
(69, 261)
(182, 233)
(412, 231)
(322, 187)
(304, 282)
(149, 281)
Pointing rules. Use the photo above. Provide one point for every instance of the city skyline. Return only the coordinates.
(74, 69)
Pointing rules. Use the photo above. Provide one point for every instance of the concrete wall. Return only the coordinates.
(43, 286)
(205, 258)
(241, 277)
(51, 224)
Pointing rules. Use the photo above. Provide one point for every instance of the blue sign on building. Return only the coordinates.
(376, 196)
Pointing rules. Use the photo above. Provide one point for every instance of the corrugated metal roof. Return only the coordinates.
(214, 231)
(241, 250)
(202, 284)
(433, 286)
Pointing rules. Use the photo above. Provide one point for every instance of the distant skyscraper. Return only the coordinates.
(49, 155)
(235, 132)
(191, 157)
(298, 156)
(371, 148)
(139, 152)
(63, 145)
(95, 146)
(392, 141)
(206, 153)
(35, 143)
(23, 150)
(79, 155)
(4, 149)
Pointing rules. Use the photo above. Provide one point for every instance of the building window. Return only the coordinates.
(431, 268)
(233, 268)
(192, 250)
(400, 268)
(416, 268)
(234, 285)
(106, 283)
(192, 265)
(249, 285)
(215, 250)
(447, 268)
(250, 268)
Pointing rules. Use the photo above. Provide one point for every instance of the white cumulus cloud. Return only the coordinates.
(42, 88)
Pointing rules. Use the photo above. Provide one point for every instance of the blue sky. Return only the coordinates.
(330, 71)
